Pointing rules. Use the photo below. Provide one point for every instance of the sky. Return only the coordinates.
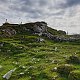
(59, 14)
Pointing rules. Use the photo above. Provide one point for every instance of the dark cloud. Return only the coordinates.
(70, 3)
(32, 8)
(43, 3)
(28, 10)
(34, 2)
(3, 0)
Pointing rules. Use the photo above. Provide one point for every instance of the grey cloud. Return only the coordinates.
(33, 2)
(27, 2)
(3, 0)
(61, 13)
(70, 3)
(33, 8)
(43, 3)
(28, 10)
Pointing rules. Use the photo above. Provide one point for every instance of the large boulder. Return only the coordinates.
(40, 27)
(36, 27)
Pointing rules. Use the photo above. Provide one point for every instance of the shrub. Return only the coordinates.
(65, 69)
(74, 75)
(74, 59)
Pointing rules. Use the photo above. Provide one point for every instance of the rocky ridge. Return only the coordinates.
(39, 28)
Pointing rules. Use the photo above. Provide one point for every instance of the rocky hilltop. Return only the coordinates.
(9, 30)
(37, 28)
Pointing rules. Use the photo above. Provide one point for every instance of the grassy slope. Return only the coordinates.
(36, 57)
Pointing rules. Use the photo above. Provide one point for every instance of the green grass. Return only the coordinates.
(37, 57)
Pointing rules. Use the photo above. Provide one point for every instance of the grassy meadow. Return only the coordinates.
(36, 60)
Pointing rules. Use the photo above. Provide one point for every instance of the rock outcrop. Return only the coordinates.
(39, 28)
(8, 29)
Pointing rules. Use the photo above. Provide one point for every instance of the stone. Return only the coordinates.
(16, 63)
(8, 50)
(23, 67)
(28, 72)
(21, 47)
(22, 73)
(40, 34)
(65, 56)
(40, 27)
(8, 74)
(1, 44)
(55, 61)
(38, 60)
(40, 40)
(75, 53)
(35, 62)
(55, 48)
(54, 69)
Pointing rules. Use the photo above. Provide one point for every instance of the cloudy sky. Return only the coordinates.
(59, 14)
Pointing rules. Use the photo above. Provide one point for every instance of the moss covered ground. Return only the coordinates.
(35, 60)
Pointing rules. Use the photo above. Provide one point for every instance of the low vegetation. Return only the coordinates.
(37, 60)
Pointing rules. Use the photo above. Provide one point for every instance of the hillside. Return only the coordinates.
(34, 51)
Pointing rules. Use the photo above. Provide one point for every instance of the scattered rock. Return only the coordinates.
(55, 61)
(1, 44)
(40, 40)
(22, 73)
